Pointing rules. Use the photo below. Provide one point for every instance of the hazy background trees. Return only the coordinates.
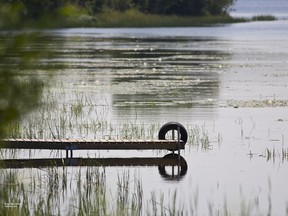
(24, 72)
(22, 60)
(34, 9)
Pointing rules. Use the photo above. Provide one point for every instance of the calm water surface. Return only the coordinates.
(246, 8)
(223, 79)
(229, 81)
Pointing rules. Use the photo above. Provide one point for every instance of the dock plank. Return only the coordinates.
(74, 144)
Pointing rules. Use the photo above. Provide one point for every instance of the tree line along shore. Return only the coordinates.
(115, 13)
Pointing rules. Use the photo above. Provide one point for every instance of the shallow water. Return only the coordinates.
(184, 69)
(230, 81)
(246, 8)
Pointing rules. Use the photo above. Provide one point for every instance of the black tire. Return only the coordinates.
(173, 126)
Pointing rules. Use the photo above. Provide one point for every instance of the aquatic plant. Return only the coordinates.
(264, 18)
(74, 191)
(273, 154)
(198, 137)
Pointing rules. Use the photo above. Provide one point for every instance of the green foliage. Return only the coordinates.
(21, 60)
(134, 18)
(10, 14)
(71, 11)
(177, 7)
(217, 7)
(92, 6)
(31, 10)
(20, 86)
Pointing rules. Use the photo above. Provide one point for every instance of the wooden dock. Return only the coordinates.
(113, 144)
(78, 144)
(81, 144)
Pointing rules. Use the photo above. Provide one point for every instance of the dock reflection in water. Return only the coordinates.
(175, 162)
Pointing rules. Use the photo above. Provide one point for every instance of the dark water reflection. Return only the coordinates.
(170, 167)
(147, 72)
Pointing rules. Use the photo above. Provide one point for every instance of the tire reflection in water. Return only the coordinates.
(169, 160)
(176, 174)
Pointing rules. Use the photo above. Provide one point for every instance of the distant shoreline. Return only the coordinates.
(132, 19)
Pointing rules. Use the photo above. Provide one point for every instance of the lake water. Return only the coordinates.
(197, 76)
(246, 8)
(227, 83)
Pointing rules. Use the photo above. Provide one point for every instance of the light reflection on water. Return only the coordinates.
(148, 73)
(188, 75)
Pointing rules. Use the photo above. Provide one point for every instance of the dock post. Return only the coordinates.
(178, 141)
(179, 157)
(69, 148)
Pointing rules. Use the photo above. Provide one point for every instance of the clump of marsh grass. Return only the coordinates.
(50, 193)
(129, 130)
(198, 137)
(284, 154)
(66, 119)
(128, 203)
(264, 18)
(272, 154)
(77, 116)
(91, 195)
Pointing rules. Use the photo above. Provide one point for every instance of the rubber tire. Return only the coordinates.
(173, 126)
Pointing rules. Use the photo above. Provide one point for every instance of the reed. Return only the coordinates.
(264, 18)
(273, 154)
(83, 191)
(199, 137)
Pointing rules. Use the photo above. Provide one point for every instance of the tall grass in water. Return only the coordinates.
(77, 116)
(78, 191)
(264, 18)
(89, 198)
(84, 191)
(273, 154)
(198, 137)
